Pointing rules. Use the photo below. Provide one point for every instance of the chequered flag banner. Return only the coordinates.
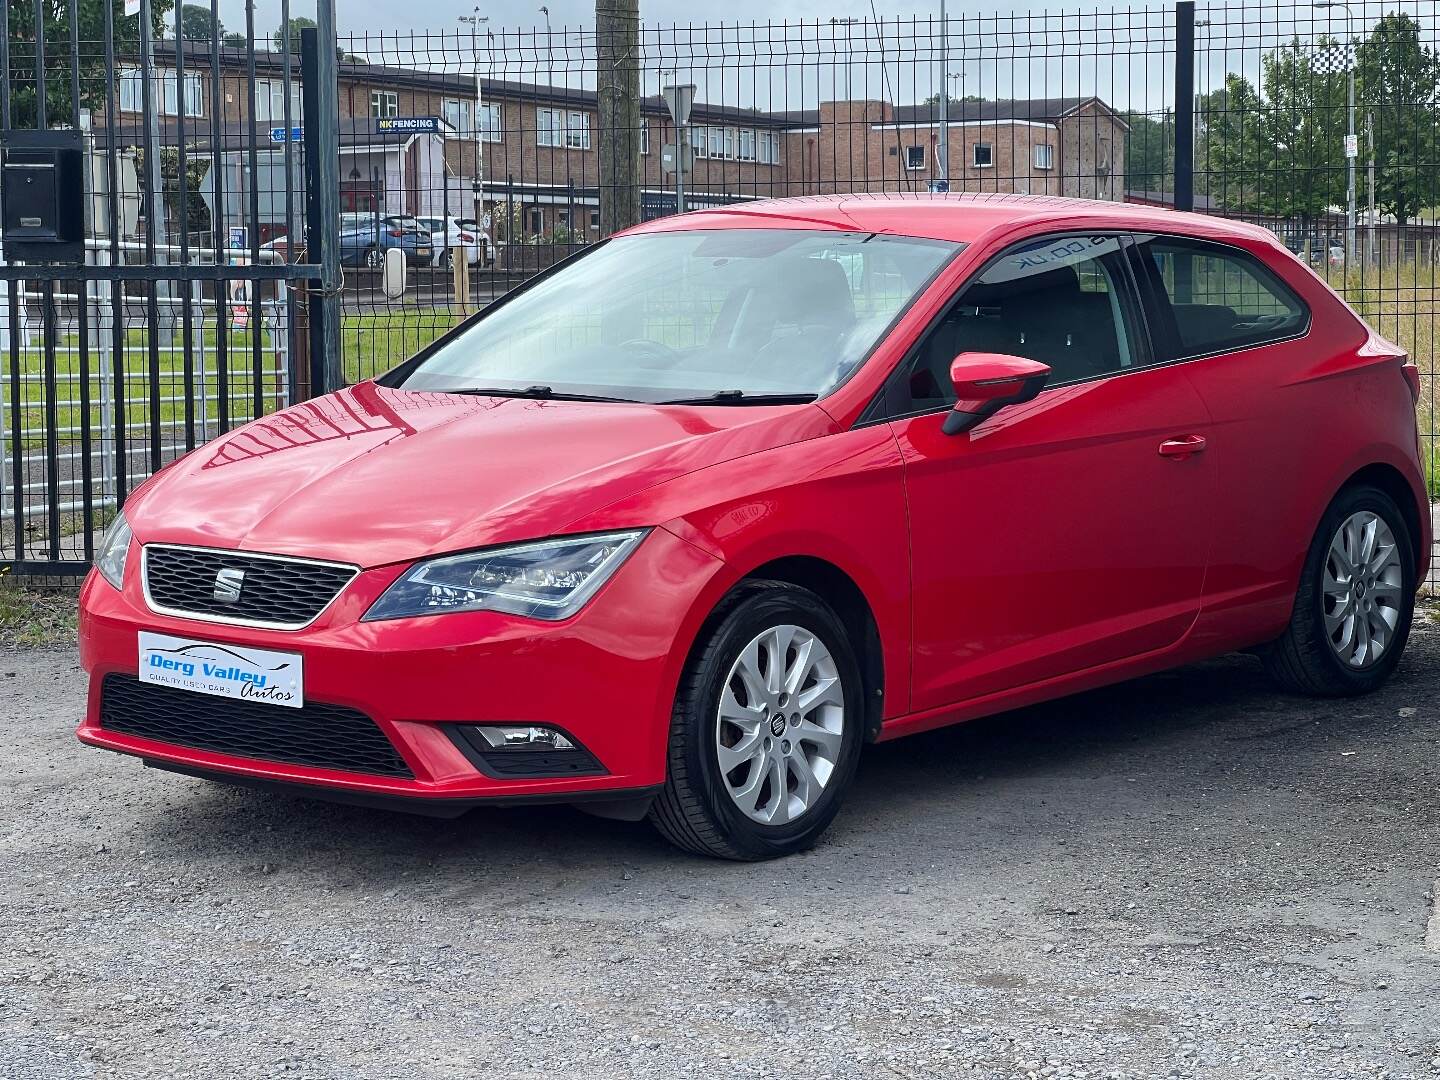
(1332, 58)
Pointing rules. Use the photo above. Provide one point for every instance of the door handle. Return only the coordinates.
(1182, 446)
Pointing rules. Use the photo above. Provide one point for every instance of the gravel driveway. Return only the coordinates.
(1188, 875)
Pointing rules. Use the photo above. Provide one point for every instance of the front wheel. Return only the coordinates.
(373, 258)
(766, 730)
(1355, 603)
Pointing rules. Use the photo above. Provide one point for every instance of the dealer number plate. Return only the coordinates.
(233, 671)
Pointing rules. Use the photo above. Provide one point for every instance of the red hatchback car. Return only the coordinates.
(681, 525)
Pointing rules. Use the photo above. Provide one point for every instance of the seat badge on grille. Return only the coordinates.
(228, 583)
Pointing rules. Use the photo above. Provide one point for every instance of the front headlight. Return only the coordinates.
(551, 579)
(114, 547)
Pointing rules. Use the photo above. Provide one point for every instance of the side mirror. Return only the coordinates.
(987, 382)
(392, 277)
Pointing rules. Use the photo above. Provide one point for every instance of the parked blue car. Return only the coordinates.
(364, 239)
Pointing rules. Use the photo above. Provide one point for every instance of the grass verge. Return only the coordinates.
(33, 617)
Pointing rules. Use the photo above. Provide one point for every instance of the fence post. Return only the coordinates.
(1185, 105)
(320, 87)
(617, 46)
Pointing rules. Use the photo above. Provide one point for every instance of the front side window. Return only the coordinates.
(667, 316)
(1064, 301)
(1221, 299)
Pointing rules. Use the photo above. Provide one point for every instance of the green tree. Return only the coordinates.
(297, 23)
(1398, 79)
(1150, 152)
(196, 23)
(1302, 126)
(90, 19)
(1235, 163)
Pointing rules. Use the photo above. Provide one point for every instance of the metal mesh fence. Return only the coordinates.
(476, 153)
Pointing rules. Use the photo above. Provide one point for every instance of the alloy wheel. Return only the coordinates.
(1363, 583)
(780, 724)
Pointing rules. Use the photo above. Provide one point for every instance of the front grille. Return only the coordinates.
(274, 591)
(321, 736)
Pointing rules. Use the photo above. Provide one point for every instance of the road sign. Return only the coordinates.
(680, 99)
(280, 134)
(668, 158)
(1352, 146)
(408, 125)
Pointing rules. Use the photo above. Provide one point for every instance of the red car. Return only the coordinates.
(680, 526)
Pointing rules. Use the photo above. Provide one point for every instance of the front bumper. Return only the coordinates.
(607, 676)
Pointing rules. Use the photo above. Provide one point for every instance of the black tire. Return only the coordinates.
(694, 810)
(372, 258)
(1303, 659)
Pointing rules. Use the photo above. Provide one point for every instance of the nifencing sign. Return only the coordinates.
(408, 125)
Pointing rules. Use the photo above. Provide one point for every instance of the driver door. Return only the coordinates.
(1065, 533)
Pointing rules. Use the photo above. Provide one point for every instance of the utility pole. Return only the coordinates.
(617, 58)
(1373, 221)
(944, 100)
(1352, 144)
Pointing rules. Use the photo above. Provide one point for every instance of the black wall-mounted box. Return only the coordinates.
(42, 196)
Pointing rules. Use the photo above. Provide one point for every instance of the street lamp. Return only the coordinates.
(475, 20)
(1352, 146)
(944, 100)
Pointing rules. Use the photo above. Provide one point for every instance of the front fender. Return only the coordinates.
(840, 499)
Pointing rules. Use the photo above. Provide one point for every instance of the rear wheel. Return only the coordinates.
(1355, 602)
(766, 730)
(373, 258)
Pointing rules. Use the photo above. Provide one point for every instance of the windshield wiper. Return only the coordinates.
(741, 397)
(537, 392)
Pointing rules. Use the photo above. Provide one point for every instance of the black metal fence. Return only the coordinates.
(479, 152)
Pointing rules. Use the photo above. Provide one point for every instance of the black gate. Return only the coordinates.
(155, 285)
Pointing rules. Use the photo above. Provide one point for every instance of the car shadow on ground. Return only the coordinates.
(944, 782)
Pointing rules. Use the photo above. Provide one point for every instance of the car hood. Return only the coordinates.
(373, 475)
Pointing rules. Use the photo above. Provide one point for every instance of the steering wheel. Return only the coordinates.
(658, 350)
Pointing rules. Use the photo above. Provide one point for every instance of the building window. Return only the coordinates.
(594, 220)
(166, 97)
(459, 113)
(644, 136)
(1045, 156)
(577, 132)
(769, 148)
(492, 122)
(717, 142)
(915, 158)
(699, 139)
(535, 220)
(548, 127)
(384, 104)
(984, 156)
(270, 101)
(747, 145)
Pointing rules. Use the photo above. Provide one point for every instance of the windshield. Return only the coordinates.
(671, 316)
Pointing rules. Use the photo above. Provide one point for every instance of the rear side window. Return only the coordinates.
(1221, 299)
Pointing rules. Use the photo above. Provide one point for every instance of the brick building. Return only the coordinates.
(526, 152)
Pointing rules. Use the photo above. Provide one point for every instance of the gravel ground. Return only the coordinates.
(1184, 876)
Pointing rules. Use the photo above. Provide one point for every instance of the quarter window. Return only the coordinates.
(1221, 299)
(1064, 301)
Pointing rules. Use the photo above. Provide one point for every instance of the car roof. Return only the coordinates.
(961, 217)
